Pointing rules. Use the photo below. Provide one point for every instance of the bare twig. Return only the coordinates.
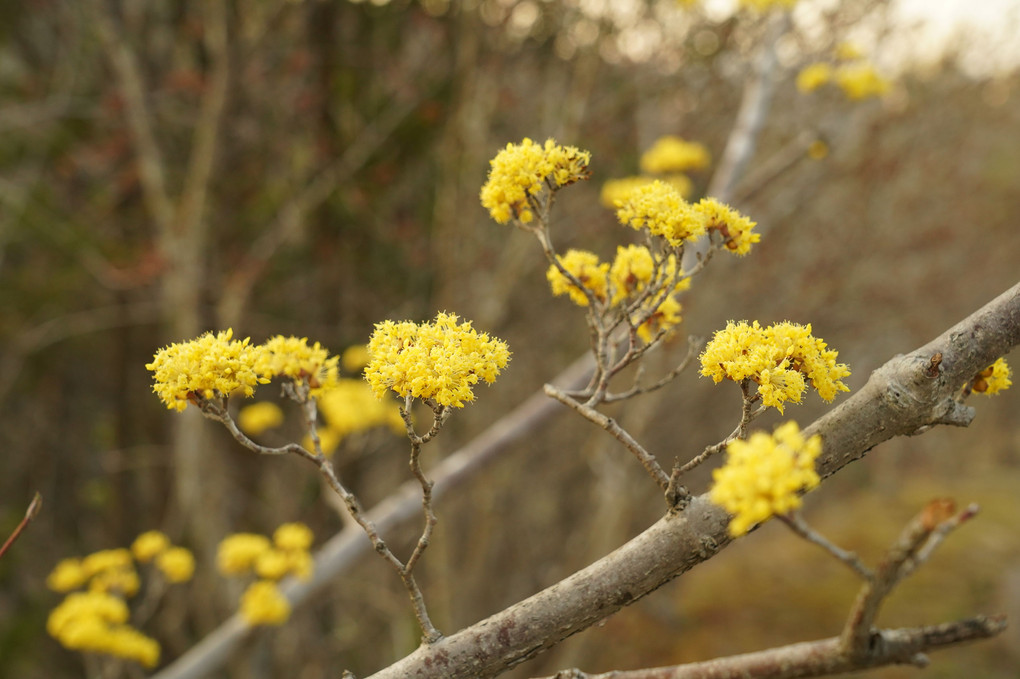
(797, 524)
(905, 646)
(33, 509)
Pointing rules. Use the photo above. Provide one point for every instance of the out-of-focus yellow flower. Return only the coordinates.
(781, 359)
(263, 604)
(814, 76)
(847, 51)
(67, 575)
(524, 170)
(735, 228)
(355, 358)
(177, 564)
(765, 475)
(442, 360)
(671, 154)
(993, 379)
(149, 545)
(295, 535)
(292, 357)
(665, 317)
(661, 209)
(272, 564)
(259, 417)
(861, 81)
(237, 553)
(93, 622)
(123, 581)
(208, 367)
(351, 407)
(106, 560)
(818, 150)
(615, 191)
(586, 267)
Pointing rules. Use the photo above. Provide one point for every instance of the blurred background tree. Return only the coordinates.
(312, 168)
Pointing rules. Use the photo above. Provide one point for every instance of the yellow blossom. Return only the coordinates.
(766, 5)
(301, 565)
(351, 407)
(765, 475)
(661, 209)
(814, 76)
(672, 154)
(586, 267)
(293, 358)
(818, 150)
(272, 564)
(735, 229)
(993, 379)
(106, 560)
(442, 360)
(124, 581)
(355, 358)
(237, 553)
(524, 170)
(781, 359)
(177, 564)
(290, 536)
(615, 191)
(93, 622)
(67, 575)
(665, 317)
(149, 545)
(860, 81)
(209, 367)
(263, 604)
(259, 417)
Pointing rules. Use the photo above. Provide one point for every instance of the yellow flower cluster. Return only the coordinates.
(672, 154)
(779, 358)
(287, 554)
(614, 191)
(94, 622)
(211, 366)
(765, 475)
(814, 76)
(734, 228)
(661, 209)
(524, 170)
(351, 407)
(861, 81)
(586, 268)
(291, 357)
(993, 379)
(632, 271)
(441, 361)
(259, 418)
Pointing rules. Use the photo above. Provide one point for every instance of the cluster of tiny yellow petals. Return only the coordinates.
(781, 359)
(94, 622)
(259, 418)
(735, 228)
(661, 209)
(149, 545)
(263, 604)
(351, 407)
(993, 379)
(765, 475)
(671, 154)
(293, 535)
(665, 317)
(526, 169)
(237, 553)
(292, 357)
(615, 191)
(124, 581)
(212, 366)
(442, 360)
(587, 269)
(177, 564)
(66, 576)
(813, 76)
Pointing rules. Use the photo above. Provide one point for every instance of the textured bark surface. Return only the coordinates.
(905, 396)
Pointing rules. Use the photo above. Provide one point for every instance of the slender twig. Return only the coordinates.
(920, 536)
(33, 509)
(693, 346)
(646, 459)
(799, 526)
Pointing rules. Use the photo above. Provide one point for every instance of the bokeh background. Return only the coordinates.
(313, 168)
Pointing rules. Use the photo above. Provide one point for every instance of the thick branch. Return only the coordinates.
(898, 399)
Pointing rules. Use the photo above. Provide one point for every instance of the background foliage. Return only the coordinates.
(357, 137)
